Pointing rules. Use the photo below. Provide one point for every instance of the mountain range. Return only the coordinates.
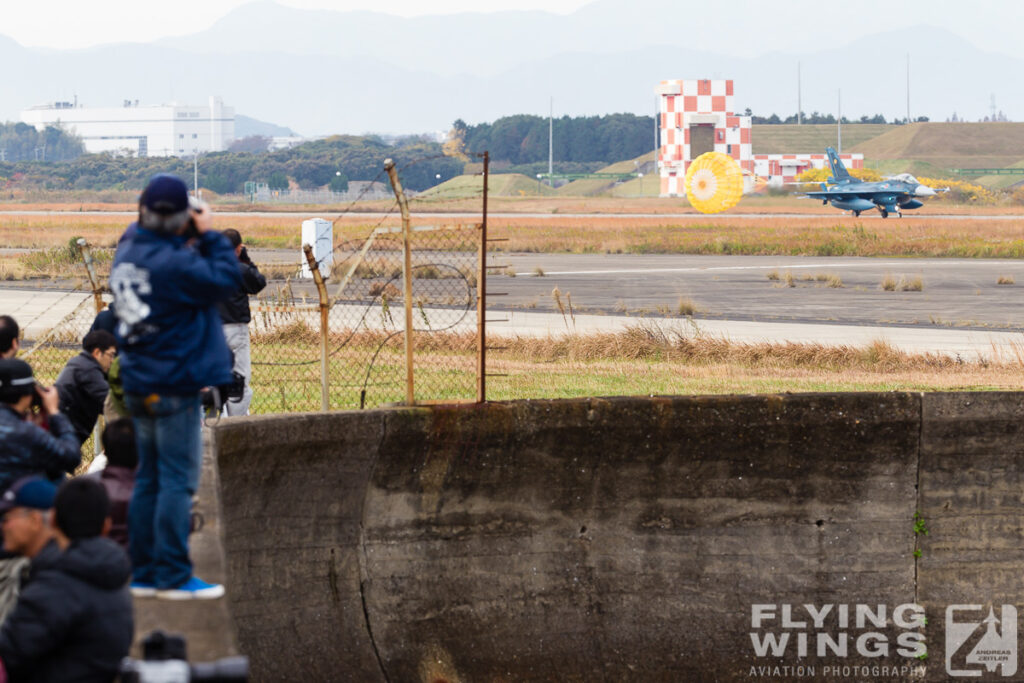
(323, 72)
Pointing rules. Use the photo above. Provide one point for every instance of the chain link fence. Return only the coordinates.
(352, 351)
(365, 333)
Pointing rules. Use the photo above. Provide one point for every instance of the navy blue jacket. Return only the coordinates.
(28, 449)
(73, 620)
(166, 293)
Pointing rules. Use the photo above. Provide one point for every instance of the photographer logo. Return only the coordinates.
(995, 648)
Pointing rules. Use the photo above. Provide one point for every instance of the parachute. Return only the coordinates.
(714, 182)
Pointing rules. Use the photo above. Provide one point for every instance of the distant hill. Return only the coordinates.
(950, 145)
(246, 126)
(501, 185)
(812, 138)
(328, 72)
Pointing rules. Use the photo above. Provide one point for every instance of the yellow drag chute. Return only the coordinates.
(714, 182)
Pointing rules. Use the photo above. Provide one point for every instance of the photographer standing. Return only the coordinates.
(167, 281)
(235, 315)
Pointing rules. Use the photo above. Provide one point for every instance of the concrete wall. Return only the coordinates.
(608, 539)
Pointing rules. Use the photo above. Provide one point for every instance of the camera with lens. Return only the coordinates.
(213, 398)
(164, 661)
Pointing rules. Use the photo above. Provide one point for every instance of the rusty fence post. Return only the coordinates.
(321, 291)
(481, 297)
(90, 268)
(396, 184)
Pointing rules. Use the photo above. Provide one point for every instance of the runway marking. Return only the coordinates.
(694, 269)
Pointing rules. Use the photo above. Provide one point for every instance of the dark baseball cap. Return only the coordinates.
(29, 492)
(165, 194)
(16, 378)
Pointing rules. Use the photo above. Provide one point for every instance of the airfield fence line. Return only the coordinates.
(399, 319)
(348, 348)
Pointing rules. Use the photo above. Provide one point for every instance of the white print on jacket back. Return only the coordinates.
(128, 282)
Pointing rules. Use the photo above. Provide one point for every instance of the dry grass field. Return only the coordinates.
(837, 235)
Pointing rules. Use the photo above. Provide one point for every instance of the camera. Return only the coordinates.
(213, 398)
(164, 661)
(190, 227)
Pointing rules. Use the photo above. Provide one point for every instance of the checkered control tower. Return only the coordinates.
(697, 117)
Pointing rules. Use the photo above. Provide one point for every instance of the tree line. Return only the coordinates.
(330, 162)
(523, 139)
(22, 142)
(817, 117)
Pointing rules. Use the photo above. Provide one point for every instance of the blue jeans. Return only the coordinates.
(167, 433)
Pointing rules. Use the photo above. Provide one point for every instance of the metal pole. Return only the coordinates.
(551, 140)
(403, 204)
(481, 297)
(321, 291)
(908, 87)
(839, 121)
(799, 106)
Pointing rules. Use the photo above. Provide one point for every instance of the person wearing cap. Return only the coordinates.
(167, 280)
(73, 620)
(25, 447)
(235, 315)
(82, 384)
(9, 333)
(24, 509)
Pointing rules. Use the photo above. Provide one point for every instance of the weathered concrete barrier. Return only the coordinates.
(620, 539)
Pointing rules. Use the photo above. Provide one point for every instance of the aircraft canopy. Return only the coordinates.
(906, 178)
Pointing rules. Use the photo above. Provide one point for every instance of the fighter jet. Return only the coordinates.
(894, 194)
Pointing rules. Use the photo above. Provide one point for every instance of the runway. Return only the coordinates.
(421, 216)
(960, 309)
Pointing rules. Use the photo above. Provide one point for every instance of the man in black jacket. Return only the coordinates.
(73, 620)
(82, 384)
(235, 316)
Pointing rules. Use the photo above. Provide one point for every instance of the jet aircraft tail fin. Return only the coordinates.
(839, 172)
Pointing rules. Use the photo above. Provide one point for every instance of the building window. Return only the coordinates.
(181, 135)
(195, 135)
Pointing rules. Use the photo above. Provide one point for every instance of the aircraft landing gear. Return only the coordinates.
(899, 213)
(856, 214)
(885, 214)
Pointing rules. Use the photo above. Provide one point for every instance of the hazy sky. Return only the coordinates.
(73, 23)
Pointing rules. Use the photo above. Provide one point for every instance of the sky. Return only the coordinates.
(85, 24)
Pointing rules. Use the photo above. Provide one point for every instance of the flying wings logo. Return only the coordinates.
(994, 640)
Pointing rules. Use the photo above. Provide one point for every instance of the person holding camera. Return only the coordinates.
(235, 316)
(167, 280)
(25, 447)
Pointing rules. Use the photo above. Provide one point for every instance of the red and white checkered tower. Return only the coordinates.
(697, 117)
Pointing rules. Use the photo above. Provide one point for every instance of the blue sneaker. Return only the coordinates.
(142, 589)
(193, 589)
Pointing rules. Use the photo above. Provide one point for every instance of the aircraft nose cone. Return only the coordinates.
(924, 191)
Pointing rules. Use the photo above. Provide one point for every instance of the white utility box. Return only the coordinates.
(320, 234)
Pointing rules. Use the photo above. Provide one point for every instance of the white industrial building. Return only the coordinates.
(144, 131)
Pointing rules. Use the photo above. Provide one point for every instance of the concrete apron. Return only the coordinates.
(612, 539)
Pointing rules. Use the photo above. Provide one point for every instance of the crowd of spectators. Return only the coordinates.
(78, 549)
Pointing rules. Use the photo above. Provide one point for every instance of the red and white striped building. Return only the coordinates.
(697, 117)
(778, 169)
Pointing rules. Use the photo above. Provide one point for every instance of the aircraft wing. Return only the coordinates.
(839, 194)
